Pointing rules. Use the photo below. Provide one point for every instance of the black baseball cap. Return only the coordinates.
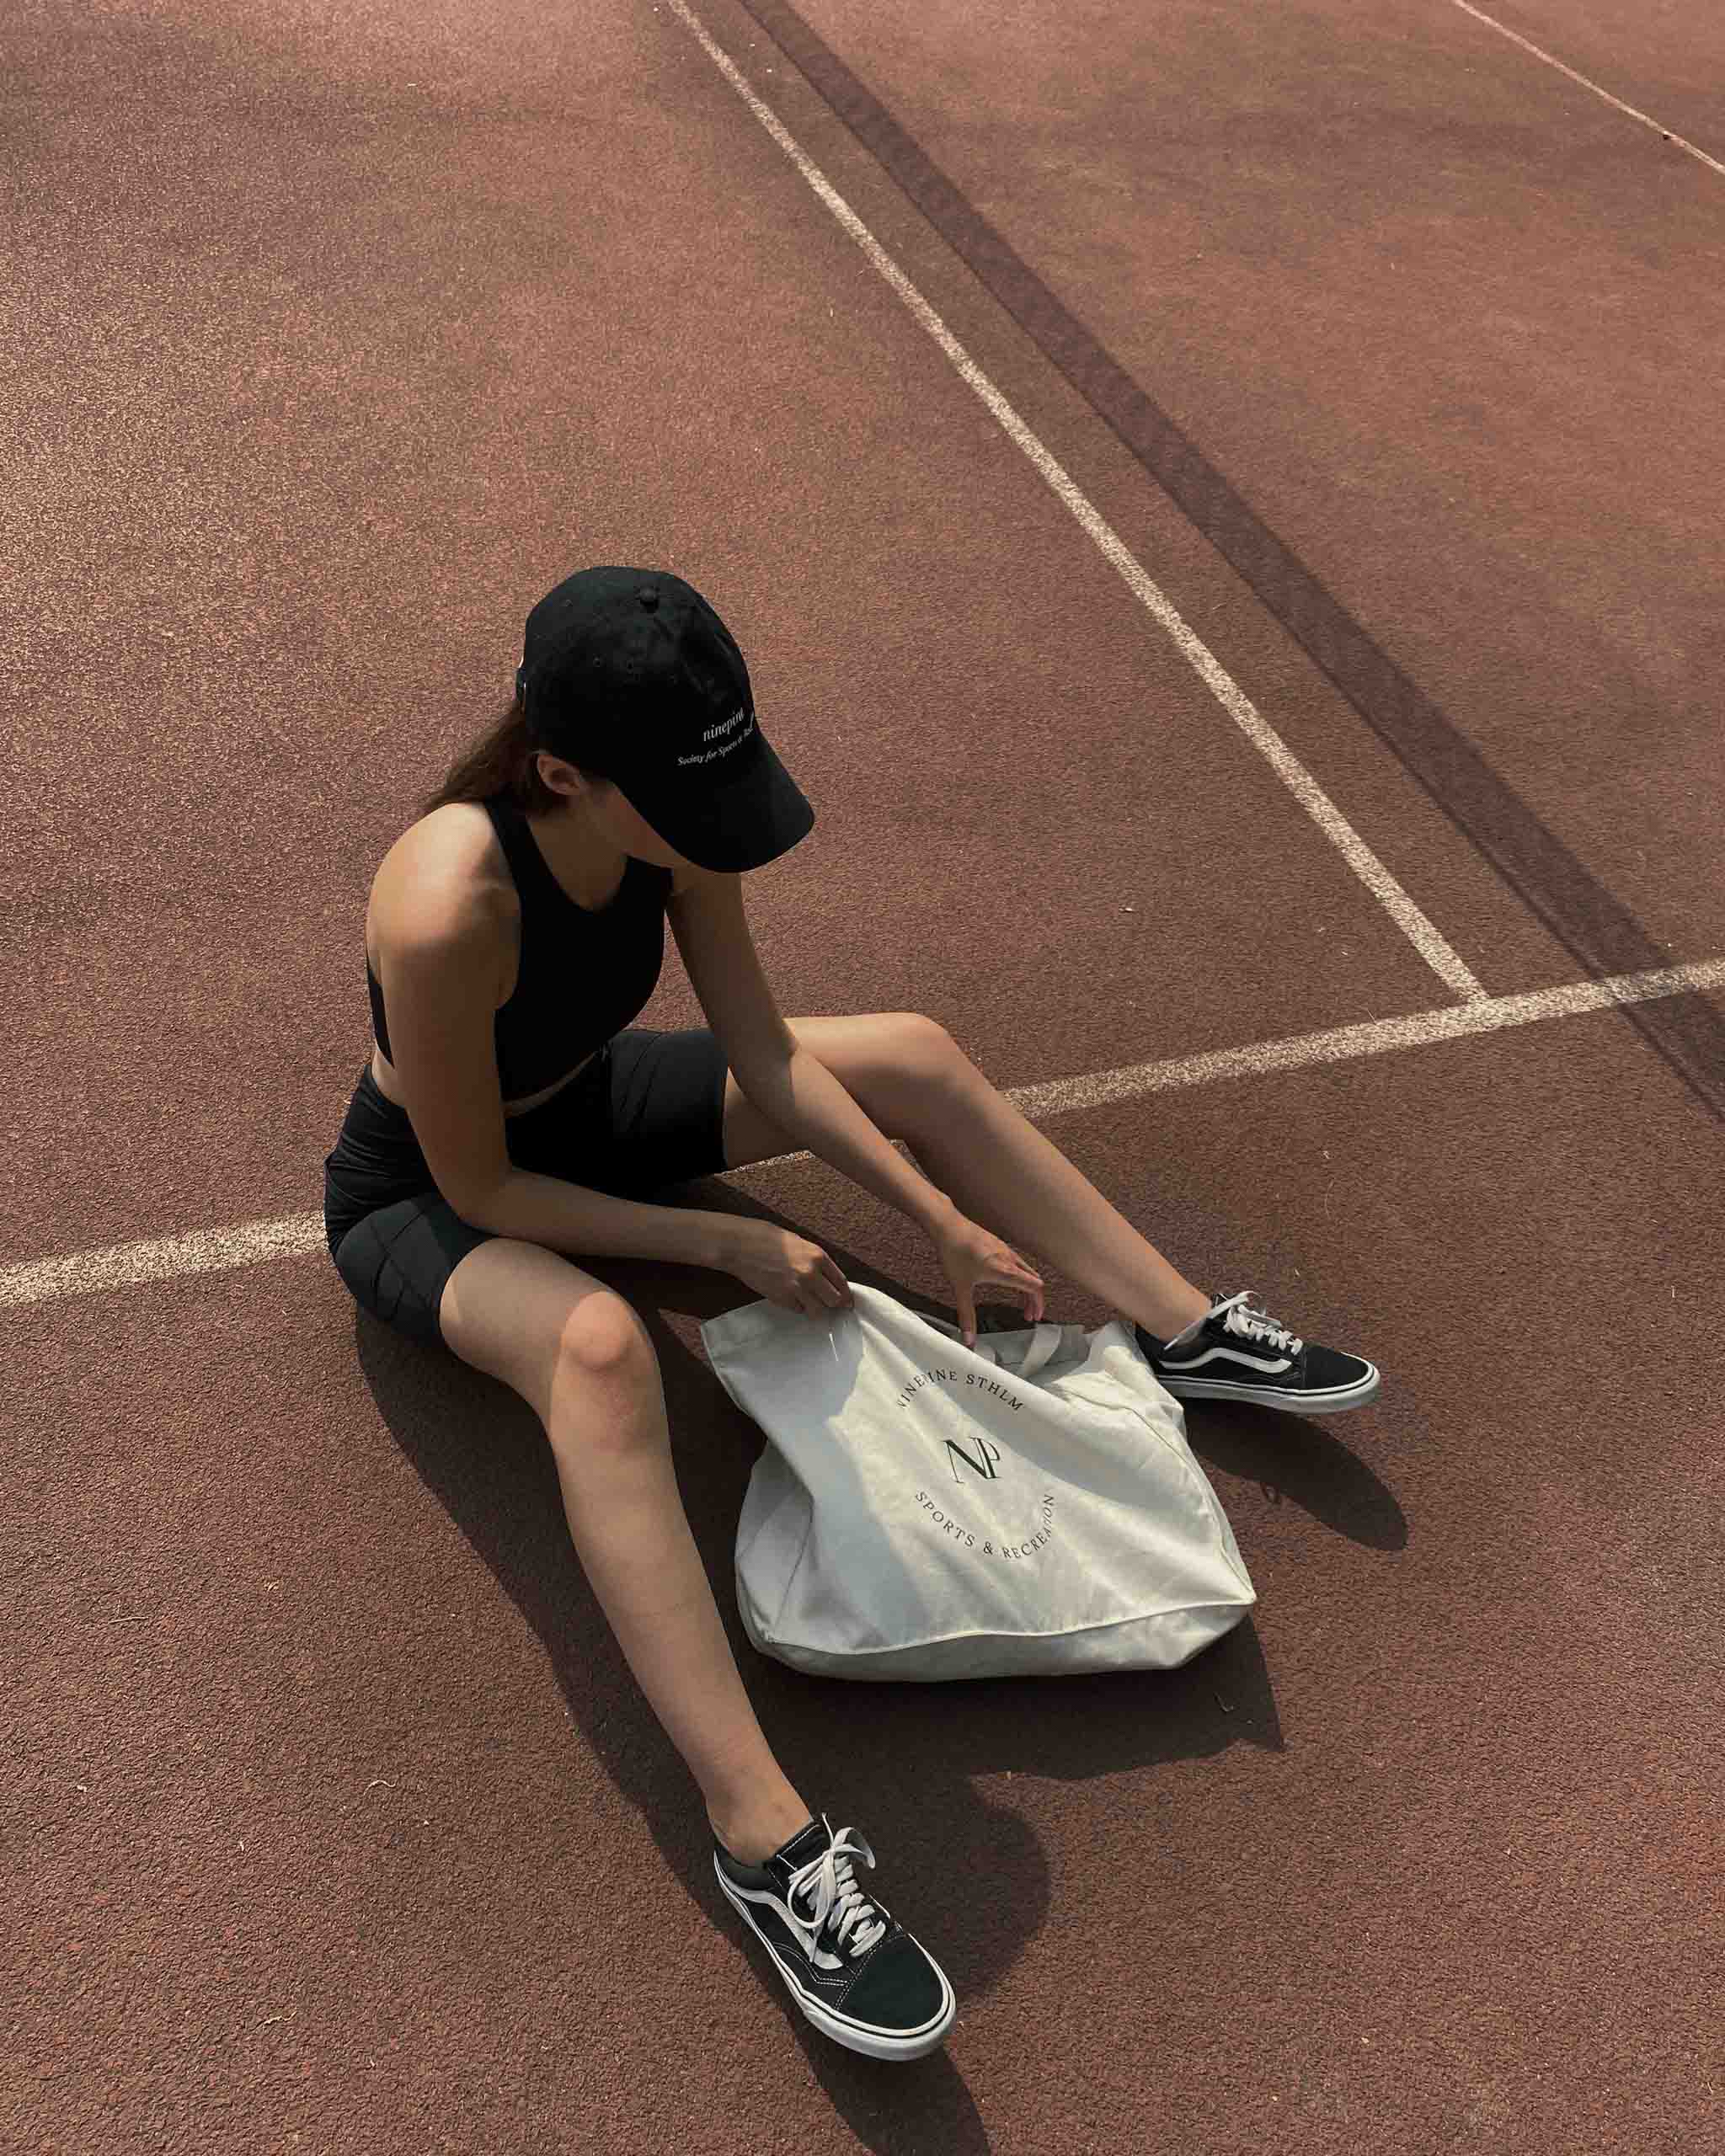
(630, 673)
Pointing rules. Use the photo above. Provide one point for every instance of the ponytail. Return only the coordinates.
(501, 759)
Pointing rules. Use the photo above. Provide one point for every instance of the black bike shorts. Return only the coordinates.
(648, 1111)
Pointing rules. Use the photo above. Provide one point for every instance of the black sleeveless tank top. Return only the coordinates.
(585, 972)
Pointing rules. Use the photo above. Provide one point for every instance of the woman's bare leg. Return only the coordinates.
(612, 1446)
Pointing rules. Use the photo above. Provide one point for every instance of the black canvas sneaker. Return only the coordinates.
(859, 1976)
(1237, 1351)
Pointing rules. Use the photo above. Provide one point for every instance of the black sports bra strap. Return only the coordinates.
(525, 863)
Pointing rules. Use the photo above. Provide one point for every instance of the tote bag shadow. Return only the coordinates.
(925, 1511)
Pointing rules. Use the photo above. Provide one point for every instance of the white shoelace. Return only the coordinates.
(1246, 1314)
(835, 1888)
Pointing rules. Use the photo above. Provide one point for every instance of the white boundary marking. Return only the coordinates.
(249, 1242)
(1422, 932)
(1527, 46)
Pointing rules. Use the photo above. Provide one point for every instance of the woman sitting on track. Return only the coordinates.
(511, 1116)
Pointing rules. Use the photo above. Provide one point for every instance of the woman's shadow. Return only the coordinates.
(897, 1761)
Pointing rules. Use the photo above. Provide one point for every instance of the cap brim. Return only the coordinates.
(750, 819)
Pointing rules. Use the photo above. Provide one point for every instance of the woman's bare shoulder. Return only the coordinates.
(446, 858)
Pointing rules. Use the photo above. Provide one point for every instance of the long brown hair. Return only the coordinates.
(502, 759)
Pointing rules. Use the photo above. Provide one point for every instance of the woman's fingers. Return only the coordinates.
(824, 1291)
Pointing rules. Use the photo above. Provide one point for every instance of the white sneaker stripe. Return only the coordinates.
(1181, 1367)
(805, 1933)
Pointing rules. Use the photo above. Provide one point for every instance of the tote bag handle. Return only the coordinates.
(1045, 1342)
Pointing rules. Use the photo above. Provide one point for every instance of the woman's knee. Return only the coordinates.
(526, 1316)
(607, 1395)
(603, 1336)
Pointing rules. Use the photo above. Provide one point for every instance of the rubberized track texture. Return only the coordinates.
(1220, 505)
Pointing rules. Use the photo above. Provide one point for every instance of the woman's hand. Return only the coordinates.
(786, 1269)
(797, 1275)
(975, 1257)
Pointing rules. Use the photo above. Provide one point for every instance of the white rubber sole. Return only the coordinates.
(855, 2036)
(1297, 1403)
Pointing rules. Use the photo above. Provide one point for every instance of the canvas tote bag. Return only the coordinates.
(925, 1510)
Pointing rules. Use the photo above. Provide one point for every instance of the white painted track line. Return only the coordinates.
(1539, 53)
(1371, 872)
(1375, 1036)
(249, 1242)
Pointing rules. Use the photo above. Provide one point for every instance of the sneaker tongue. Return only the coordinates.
(807, 1842)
